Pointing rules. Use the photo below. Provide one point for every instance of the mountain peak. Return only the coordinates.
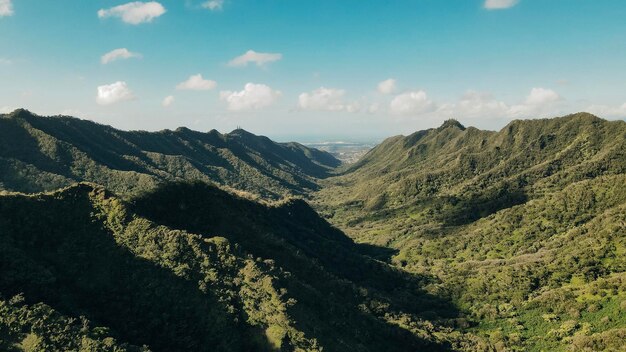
(21, 112)
(240, 132)
(451, 123)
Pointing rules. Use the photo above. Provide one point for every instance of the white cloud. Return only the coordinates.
(117, 54)
(480, 104)
(252, 97)
(6, 110)
(260, 59)
(542, 96)
(473, 104)
(500, 4)
(326, 99)
(6, 8)
(112, 93)
(196, 82)
(540, 101)
(168, 101)
(608, 111)
(387, 86)
(213, 5)
(134, 12)
(374, 108)
(411, 103)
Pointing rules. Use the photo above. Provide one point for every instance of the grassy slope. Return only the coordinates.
(507, 221)
(44, 153)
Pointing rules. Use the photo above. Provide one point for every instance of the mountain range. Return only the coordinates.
(524, 228)
(451, 238)
(40, 153)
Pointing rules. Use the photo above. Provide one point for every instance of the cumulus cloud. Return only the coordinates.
(6, 8)
(608, 111)
(478, 104)
(474, 104)
(252, 97)
(500, 4)
(113, 93)
(260, 59)
(538, 101)
(167, 101)
(118, 54)
(541, 96)
(412, 103)
(196, 82)
(326, 99)
(387, 86)
(213, 5)
(134, 12)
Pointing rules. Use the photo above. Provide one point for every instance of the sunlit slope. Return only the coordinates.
(525, 228)
(44, 153)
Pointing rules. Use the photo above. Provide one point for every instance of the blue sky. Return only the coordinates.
(349, 69)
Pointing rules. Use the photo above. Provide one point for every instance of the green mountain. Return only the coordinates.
(524, 228)
(45, 153)
(190, 267)
(451, 238)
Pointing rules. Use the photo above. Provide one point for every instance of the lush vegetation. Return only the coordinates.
(524, 229)
(45, 153)
(189, 267)
(453, 239)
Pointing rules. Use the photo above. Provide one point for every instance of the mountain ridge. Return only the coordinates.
(174, 270)
(451, 238)
(523, 228)
(63, 150)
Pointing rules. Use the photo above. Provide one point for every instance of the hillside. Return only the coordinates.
(189, 267)
(451, 238)
(524, 228)
(45, 153)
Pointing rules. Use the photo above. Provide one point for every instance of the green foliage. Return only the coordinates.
(520, 227)
(45, 153)
(39, 328)
(179, 271)
(465, 239)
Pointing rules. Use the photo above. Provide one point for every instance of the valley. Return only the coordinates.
(312, 176)
(346, 152)
(451, 238)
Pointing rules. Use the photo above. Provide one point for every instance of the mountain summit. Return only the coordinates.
(452, 123)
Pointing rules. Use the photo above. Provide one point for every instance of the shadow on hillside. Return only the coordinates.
(384, 254)
(54, 252)
(182, 154)
(470, 209)
(331, 278)
(16, 142)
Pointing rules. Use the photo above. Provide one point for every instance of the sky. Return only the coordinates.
(313, 70)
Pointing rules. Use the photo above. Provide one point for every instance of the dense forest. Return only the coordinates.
(40, 153)
(524, 229)
(190, 267)
(451, 238)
